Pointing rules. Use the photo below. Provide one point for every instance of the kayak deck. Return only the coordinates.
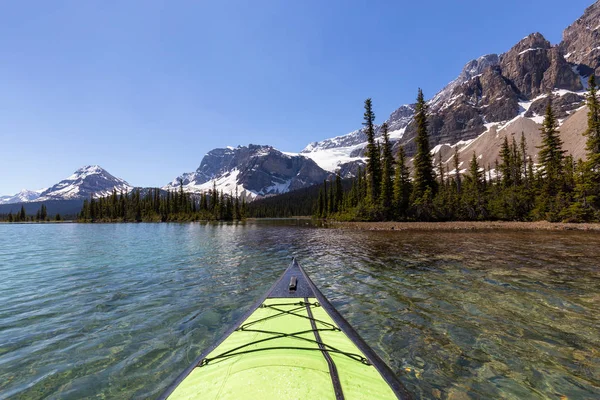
(292, 344)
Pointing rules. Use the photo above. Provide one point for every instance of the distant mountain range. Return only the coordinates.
(494, 96)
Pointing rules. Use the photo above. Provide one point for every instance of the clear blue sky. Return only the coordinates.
(146, 88)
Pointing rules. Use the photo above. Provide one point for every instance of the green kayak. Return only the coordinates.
(292, 344)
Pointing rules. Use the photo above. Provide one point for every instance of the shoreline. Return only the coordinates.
(464, 226)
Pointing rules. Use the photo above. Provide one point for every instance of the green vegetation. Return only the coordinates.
(40, 216)
(558, 189)
(301, 202)
(160, 206)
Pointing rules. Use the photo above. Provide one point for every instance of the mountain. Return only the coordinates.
(23, 196)
(253, 170)
(85, 182)
(491, 94)
(581, 41)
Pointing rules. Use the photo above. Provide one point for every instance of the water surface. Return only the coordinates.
(119, 310)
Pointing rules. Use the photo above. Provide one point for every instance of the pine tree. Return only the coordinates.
(551, 154)
(457, 178)
(22, 214)
(339, 192)
(387, 189)
(551, 158)
(373, 161)
(321, 204)
(402, 186)
(505, 165)
(473, 192)
(524, 171)
(593, 145)
(424, 176)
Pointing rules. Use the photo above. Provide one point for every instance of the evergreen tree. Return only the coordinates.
(402, 186)
(387, 189)
(22, 214)
(321, 204)
(373, 161)
(593, 146)
(505, 164)
(551, 156)
(424, 176)
(457, 178)
(524, 171)
(473, 192)
(339, 192)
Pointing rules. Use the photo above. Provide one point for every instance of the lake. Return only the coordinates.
(119, 310)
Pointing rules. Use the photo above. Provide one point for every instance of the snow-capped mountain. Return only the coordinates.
(252, 170)
(21, 197)
(90, 180)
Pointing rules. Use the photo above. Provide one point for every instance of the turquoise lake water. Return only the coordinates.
(119, 310)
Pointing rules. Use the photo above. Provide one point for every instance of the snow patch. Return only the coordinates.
(397, 134)
(531, 49)
(436, 149)
(331, 159)
(277, 188)
(538, 119)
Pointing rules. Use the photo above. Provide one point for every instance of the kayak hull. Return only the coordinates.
(292, 344)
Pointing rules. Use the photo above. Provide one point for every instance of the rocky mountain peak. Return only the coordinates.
(471, 69)
(532, 42)
(89, 180)
(535, 67)
(253, 170)
(581, 40)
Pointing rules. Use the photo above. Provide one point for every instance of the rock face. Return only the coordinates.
(351, 139)
(562, 105)
(535, 67)
(400, 118)
(253, 170)
(471, 69)
(581, 40)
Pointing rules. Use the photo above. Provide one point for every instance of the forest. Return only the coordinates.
(157, 206)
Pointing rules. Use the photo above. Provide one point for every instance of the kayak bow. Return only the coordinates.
(291, 344)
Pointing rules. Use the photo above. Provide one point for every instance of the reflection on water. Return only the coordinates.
(119, 310)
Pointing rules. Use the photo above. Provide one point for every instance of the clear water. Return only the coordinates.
(118, 311)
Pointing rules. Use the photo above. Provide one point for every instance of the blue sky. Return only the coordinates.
(146, 88)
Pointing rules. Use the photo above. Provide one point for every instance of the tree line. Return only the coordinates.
(22, 216)
(558, 188)
(156, 205)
